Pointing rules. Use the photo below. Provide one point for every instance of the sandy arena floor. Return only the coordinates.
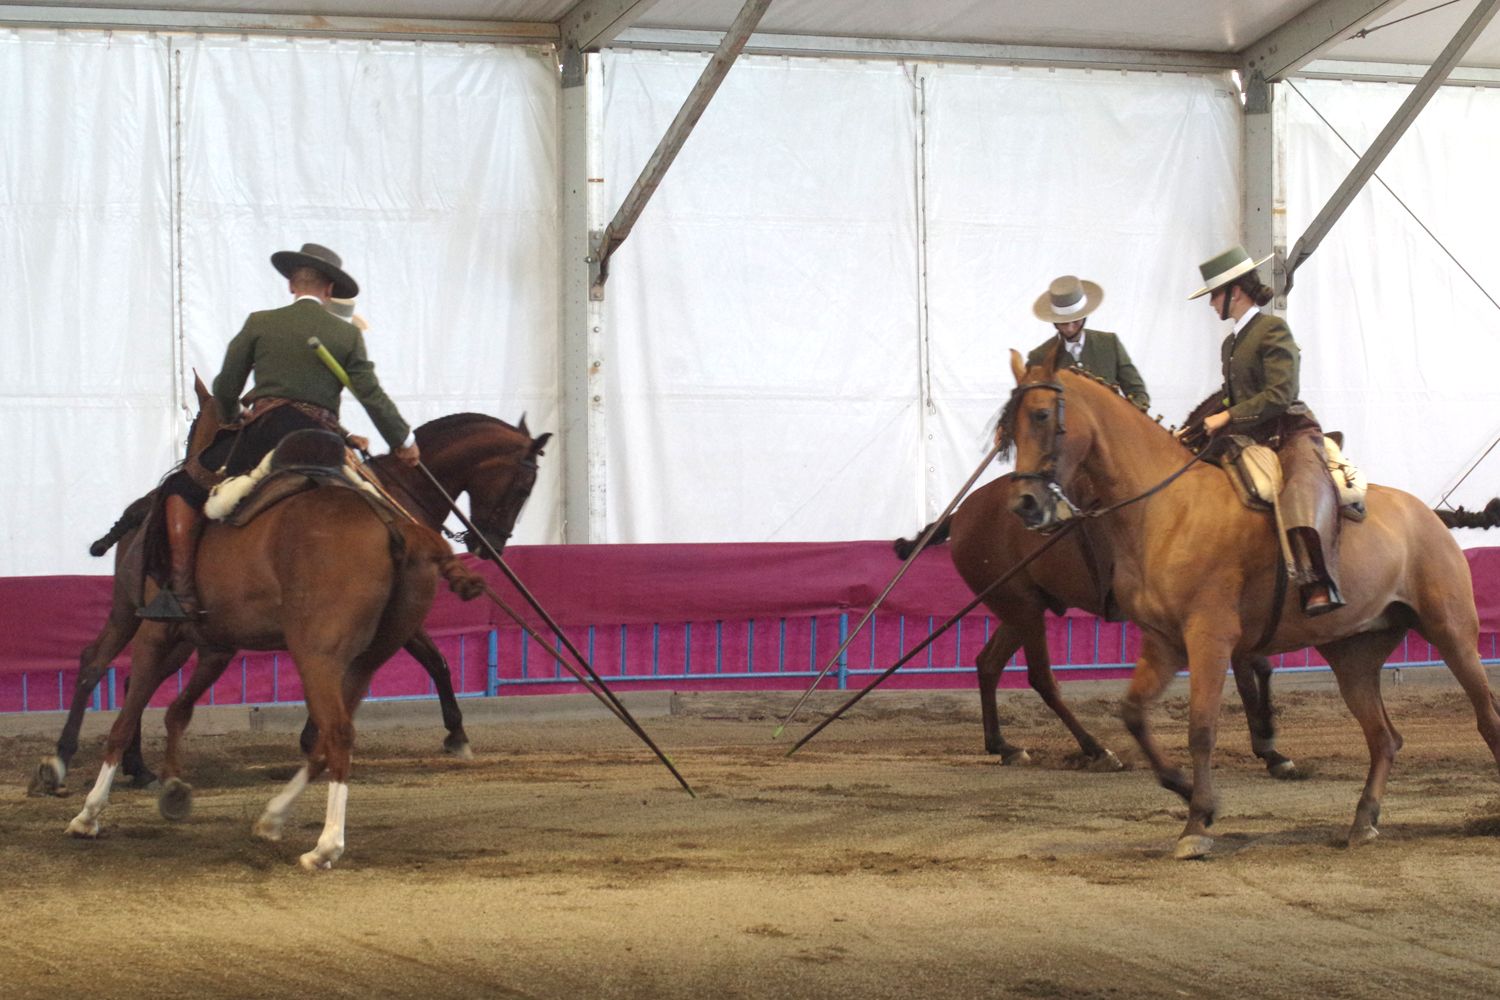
(891, 858)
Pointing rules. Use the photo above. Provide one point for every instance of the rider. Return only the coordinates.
(293, 391)
(1259, 400)
(1065, 305)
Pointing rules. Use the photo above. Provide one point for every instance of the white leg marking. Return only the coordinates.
(86, 823)
(268, 827)
(331, 843)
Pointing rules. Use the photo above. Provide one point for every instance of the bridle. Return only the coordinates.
(1046, 473)
(483, 519)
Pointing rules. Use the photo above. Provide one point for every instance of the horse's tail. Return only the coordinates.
(903, 546)
(134, 517)
(1489, 517)
(463, 581)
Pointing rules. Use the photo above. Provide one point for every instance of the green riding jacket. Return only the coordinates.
(273, 344)
(1103, 355)
(1261, 365)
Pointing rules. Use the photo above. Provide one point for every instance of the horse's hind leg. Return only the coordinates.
(175, 801)
(425, 652)
(322, 681)
(1356, 663)
(1458, 645)
(991, 663)
(151, 665)
(51, 773)
(1095, 755)
(1252, 676)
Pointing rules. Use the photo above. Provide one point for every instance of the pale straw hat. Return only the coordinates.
(344, 310)
(1067, 300)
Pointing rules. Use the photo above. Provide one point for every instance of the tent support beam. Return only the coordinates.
(1394, 129)
(671, 143)
(1284, 50)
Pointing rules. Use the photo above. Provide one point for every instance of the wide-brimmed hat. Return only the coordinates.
(1067, 300)
(1223, 269)
(321, 258)
(344, 310)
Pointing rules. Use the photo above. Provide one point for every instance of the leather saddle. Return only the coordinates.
(304, 460)
(1255, 473)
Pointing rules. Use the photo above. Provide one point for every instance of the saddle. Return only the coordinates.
(303, 460)
(1255, 473)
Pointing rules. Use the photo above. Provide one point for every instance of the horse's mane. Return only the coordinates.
(454, 419)
(1008, 414)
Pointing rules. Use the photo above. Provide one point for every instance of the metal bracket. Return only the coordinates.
(1257, 95)
(573, 64)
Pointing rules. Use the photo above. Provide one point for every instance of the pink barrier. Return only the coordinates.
(718, 616)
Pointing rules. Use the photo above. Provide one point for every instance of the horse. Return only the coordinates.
(1198, 572)
(492, 461)
(986, 539)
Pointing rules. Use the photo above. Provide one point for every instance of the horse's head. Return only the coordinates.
(498, 490)
(1034, 424)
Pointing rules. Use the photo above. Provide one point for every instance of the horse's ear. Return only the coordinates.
(521, 424)
(202, 390)
(1017, 366)
(540, 443)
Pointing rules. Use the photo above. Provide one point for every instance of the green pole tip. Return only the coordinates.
(777, 735)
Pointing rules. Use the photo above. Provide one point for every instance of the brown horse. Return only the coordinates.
(1198, 573)
(986, 540)
(490, 460)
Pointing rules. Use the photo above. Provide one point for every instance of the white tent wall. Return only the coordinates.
(431, 168)
(86, 303)
(1127, 179)
(771, 348)
(1400, 348)
(761, 367)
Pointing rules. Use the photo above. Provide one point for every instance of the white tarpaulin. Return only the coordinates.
(1400, 345)
(808, 327)
(138, 169)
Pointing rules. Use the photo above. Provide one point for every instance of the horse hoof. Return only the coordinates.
(268, 827)
(1192, 847)
(313, 861)
(1014, 756)
(176, 800)
(1284, 770)
(1106, 763)
(48, 779)
(85, 828)
(459, 750)
(1359, 836)
(143, 779)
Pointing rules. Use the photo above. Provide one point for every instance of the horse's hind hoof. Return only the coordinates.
(1105, 763)
(1285, 769)
(458, 748)
(88, 829)
(1014, 756)
(48, 779)
(176, 800)
(1359, 836)
(1193, 847)
(143, 779)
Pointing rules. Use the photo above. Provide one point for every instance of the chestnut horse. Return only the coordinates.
(490, 460)
(1198, 573)
(986, 540)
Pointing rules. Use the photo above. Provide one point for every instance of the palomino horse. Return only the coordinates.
(490, 460)
(986, 540)
(1198, 573)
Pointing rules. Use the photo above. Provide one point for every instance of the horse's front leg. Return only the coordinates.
(1153, 671)
(1208, 660)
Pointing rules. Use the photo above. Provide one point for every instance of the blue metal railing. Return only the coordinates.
(716, 652)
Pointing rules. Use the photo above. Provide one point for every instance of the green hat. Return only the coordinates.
(1223, 269)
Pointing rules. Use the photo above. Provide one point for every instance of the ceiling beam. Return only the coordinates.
(1385, 72)
(1484, 11)
(833, 46)
(589, 25)
(222, 22)
(1300, 39)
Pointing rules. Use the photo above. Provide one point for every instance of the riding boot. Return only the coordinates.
(178, 601)
(1320, 595)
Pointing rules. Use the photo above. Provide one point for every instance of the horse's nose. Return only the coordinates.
(1025, 506)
